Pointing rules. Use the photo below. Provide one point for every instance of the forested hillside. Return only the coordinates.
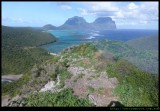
(19, 48)
(145, 43)
(21, 37)
(142, 52)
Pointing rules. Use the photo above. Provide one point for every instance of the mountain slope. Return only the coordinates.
(79, 23)
(143, 54)
(20, 51)
(75, 23)
(102, 23)
(144, 43)
(21, 37)
(49, 27)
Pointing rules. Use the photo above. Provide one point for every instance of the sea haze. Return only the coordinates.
(68, 38)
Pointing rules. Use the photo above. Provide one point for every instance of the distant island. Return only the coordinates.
(79, 23)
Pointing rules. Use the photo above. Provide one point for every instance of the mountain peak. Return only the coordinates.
(103, 19)
(76, 20)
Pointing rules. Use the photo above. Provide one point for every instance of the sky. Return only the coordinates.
(127, 15)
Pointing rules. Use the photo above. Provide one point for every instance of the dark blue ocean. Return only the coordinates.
(68, 38)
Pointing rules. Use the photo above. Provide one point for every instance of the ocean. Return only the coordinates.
(68, 38)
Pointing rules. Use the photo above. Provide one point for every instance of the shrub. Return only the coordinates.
(136, 87)
(63, 98)
(91, 89)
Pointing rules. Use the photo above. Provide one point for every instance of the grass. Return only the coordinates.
(100, 90)
(90, 78)
(91, 89)
(79, 77)
(64, 75)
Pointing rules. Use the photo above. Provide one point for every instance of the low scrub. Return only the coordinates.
(63, 99)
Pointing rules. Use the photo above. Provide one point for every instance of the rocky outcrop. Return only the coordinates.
(102, 85)
(51, 86)
(17, 101)
(48, 87)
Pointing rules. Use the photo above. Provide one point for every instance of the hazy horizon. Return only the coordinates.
(127, 15)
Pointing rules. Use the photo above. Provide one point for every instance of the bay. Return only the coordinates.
(68, 38)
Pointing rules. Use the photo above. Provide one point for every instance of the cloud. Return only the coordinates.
(4, 18)
(21, 20)
(129, 12)
(64, 5)
(82, 11)
(132, 6)
(98, 9)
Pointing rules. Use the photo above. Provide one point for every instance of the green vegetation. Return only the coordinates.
(136, 87)
(64, 74)
(23, 37)
(14, 88)
(84, 55)
(63, 98)
(91, 89)
(79, 77)
(143, 55)
(100, 90)
(121, 60)
(19, 49)
(18, 60)
(144, 43)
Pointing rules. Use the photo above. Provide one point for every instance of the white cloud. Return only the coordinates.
(64, 5)
(130, 13)
(4, 18)
(82, 11)
(103, 6)
(132, 6)
(119, 14)
(98, 8)
(21, 20)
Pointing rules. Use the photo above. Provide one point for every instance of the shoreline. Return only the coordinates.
(11, 77)
(51, 53)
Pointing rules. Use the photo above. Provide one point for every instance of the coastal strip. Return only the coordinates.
(11, 77)
(54, 54)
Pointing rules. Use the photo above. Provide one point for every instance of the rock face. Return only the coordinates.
(75, 23)
(79, 23)
(49, 86)
(103, 23)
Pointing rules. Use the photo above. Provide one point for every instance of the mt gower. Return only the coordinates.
(101, 23)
